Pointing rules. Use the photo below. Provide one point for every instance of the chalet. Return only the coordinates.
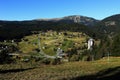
(90, 43)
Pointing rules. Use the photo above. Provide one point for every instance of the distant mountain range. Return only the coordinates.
(106, 30)
(18, 29)
(109, 25)
(73, 19)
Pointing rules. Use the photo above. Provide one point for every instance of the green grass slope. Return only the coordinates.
(94, 70)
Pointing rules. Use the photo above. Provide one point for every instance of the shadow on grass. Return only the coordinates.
(14, 70)
(108, 74)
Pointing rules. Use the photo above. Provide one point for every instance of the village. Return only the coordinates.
(65, 45)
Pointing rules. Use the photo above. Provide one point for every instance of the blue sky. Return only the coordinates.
(34, 9)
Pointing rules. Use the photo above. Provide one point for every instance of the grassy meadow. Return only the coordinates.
(50, 41)
(103, 69)
(82, 70)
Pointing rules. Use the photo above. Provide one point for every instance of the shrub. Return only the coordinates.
(75, 58)
(55, 61)
(87, 58)
(46, 61)
(4, 57)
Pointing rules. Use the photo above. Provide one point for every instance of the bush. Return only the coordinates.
(87, 58)
(55, 61)
(37, 50)
(48, 61)
(4, 57)
(75, 58)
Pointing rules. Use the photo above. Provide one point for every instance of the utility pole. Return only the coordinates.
(39, 41)
(39, 45)
(108, 56)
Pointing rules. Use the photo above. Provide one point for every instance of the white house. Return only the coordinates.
(90, 43)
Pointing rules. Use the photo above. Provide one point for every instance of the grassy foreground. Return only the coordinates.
(94, 70)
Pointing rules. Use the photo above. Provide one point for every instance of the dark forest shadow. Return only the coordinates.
(14, 70)
(108, 74)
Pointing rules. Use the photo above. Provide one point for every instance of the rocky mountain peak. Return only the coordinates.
(81, 19)
(74, 19)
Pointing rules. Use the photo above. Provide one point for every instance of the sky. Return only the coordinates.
(36, 9)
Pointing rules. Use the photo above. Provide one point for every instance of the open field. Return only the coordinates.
(50, 41)
(94, 70)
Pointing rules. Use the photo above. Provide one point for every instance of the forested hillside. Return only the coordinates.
(18, 29)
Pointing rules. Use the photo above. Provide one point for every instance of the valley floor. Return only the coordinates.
(93, 70)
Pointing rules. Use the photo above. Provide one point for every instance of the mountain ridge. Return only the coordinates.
(109, 24)
(89, 21)
(73, 23)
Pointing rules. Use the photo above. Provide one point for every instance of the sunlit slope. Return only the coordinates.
(68, 71)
